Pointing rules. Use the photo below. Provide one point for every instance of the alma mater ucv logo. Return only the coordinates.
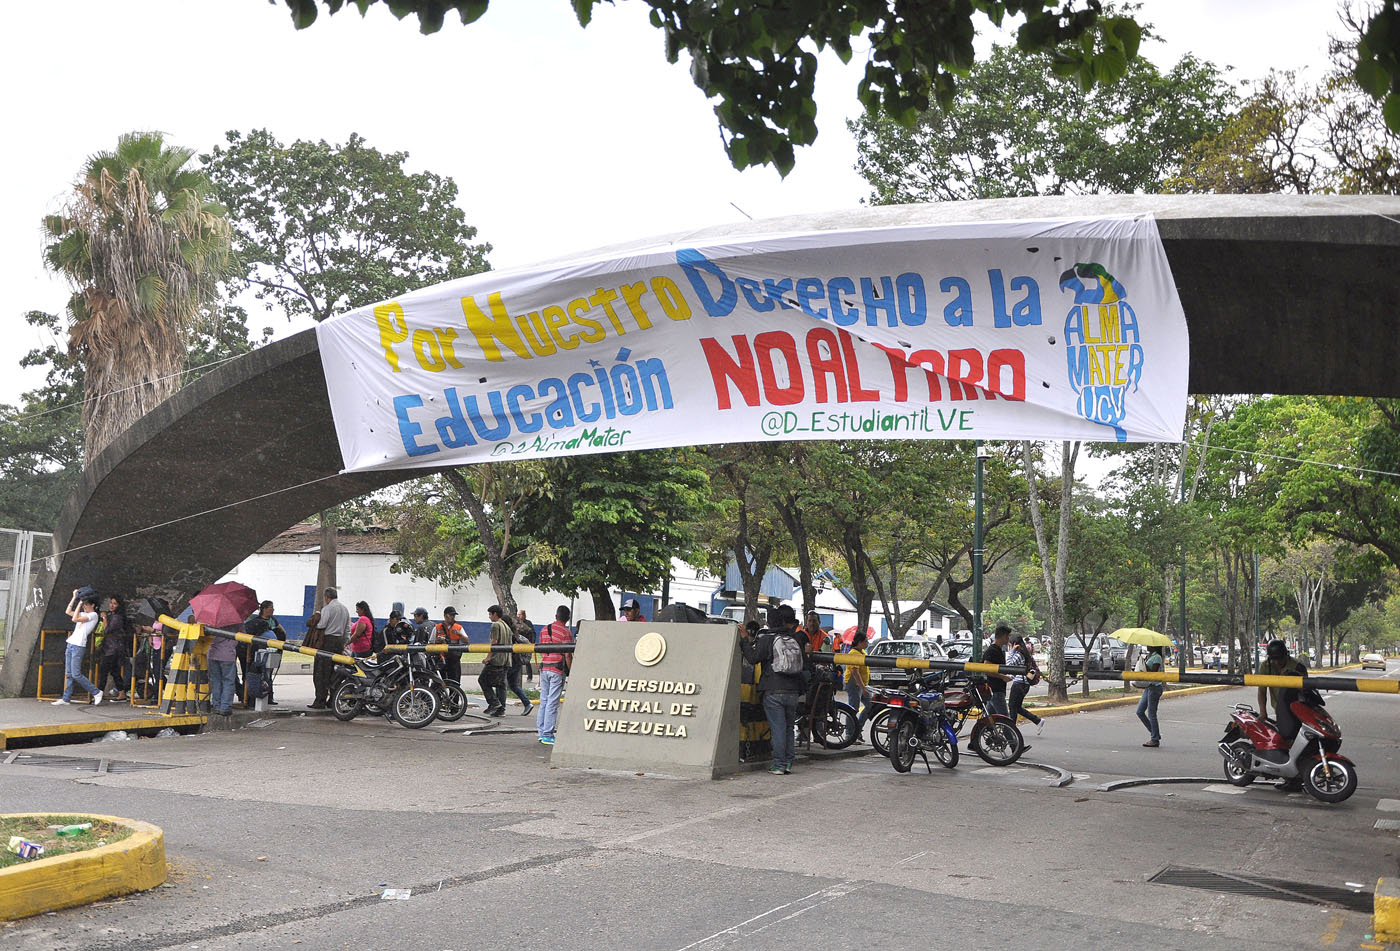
(1103, 347)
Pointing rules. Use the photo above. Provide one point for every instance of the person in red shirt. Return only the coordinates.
(554, 667)
(450, 632)
(632, 610)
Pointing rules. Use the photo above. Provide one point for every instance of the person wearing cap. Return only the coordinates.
(632, 610)
(450, 632)
(422, 630)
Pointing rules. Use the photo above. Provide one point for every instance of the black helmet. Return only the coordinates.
(1277, 650)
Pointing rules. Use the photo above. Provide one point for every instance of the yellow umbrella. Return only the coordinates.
(1141, 635)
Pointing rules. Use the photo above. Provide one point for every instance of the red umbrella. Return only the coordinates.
(225, 604)
(849, 634)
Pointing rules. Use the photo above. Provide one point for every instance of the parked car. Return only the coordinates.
(1100, 659)
(912, 646)
(1372, 660)
(960, 649)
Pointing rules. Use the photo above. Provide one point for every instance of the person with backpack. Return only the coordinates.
(782, 684)
(554, 667)
(1022, 656)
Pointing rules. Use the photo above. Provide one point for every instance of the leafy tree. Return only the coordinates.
(144, 248)
(759, 60)
(321, 228)
(41, 439)
(615, 519)
(1017, 612)
(1290, 136)
(1054, 568)
(747, 526)
(1016, 131)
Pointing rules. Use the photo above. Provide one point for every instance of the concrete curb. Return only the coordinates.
(16, 736)
(132, 865)
(1122, 701)
(1385, 918)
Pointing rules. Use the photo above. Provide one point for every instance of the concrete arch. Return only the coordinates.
(1282, 294)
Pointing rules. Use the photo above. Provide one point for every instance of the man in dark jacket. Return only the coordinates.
(782, 690)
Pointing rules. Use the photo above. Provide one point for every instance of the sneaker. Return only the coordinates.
(97, 698)
(776, 770)
(529, 708)
(787, 770)
(547, 740)
(1040, 728)
(1151, 743)
(62, 703)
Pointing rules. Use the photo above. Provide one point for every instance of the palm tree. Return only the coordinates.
(144, 250)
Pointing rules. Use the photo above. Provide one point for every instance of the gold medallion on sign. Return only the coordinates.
(651, 647)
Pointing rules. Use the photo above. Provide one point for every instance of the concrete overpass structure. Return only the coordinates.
(1282, 294)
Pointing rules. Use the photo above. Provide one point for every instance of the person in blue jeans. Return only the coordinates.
(85, 618)
(1151, 694)
(554, 668)
(782, 692)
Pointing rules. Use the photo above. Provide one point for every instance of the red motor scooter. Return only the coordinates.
(1254, 747)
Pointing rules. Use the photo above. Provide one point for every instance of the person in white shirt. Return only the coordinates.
(85, 618)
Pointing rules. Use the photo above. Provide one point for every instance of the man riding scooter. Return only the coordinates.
(1279, 662)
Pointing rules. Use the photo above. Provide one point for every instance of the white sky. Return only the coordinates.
(560, 139)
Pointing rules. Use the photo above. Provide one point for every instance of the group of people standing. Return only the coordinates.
(102, 623)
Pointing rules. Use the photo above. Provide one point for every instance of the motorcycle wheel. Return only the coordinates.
(1237, 775)
(1334, 788)
(904, 745)
(452, 703)
(414, 707)
(836, 730)
(880, 731)
(944, 750)
(345, 701)
(998, 743)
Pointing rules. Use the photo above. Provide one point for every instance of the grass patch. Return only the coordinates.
(1105, 693)
(36, 829)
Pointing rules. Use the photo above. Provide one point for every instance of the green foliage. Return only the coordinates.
(1377, 68)
(41, 439)
(616, 519)
(1018, 612)
(759, 60)
(1016, 131)
(322, 228)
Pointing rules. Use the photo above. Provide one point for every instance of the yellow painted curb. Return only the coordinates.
(134, 864)
(98, 726)
(1385, 918)
(1123, 701)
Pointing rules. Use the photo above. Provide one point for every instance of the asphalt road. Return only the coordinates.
(285, 836)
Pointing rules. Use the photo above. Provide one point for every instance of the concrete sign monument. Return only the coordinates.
(657, 697)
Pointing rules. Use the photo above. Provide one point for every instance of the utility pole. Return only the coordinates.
(977, 552)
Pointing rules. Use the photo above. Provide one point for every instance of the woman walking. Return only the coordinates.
(1022, 656)
(1151, 694)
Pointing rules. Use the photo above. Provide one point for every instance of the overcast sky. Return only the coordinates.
(560, 139)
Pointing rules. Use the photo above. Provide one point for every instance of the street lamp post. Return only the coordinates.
(977, 552)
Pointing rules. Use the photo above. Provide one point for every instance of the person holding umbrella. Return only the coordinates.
(1155, 662)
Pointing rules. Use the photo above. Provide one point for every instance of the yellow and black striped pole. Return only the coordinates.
(1354, 684)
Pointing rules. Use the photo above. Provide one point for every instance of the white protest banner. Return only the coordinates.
(1062, 329)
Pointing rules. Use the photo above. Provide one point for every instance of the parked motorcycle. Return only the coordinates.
(919, 724)
(1253, 747)
(994, 737)
(394, 685)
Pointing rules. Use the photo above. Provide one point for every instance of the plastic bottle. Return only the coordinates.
(81, 828)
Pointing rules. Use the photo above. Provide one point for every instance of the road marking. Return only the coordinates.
(1227, 790)
(732, 811)
(804, 904)
(1388, 805)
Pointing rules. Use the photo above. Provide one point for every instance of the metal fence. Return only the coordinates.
(22, 554)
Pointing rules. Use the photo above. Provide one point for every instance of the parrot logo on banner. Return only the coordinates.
(1103, 347)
